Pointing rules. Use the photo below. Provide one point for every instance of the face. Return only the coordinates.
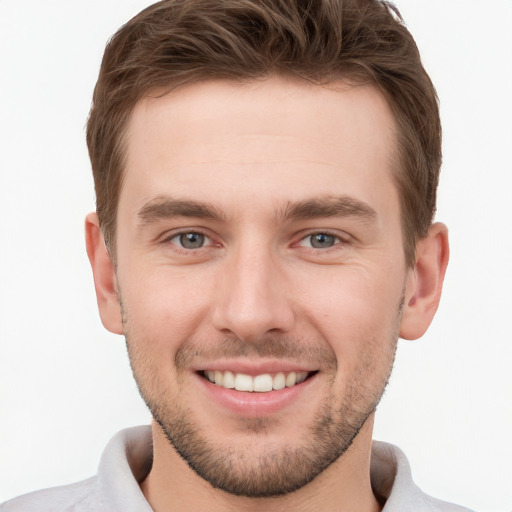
(259, 247)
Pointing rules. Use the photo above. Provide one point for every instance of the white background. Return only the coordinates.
(65, 382)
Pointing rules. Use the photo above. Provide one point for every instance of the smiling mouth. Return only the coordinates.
(263, 383)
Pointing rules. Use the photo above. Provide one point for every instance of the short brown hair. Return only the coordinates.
(175, 42)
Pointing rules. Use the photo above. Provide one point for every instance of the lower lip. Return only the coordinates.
(254, 404)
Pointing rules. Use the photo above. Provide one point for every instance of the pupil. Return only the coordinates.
(192, 240)
(322, 240)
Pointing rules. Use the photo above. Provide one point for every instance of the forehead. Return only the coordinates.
(279, 137)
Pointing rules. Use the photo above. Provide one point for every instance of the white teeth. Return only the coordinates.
(229, 380)
(279, 381)
(301, 377)
(219, 378)
(260, 383)
(291, 379)
(243, 382)
(263, 383)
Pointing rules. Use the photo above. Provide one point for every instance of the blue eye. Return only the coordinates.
(190, 240)
(320, 241)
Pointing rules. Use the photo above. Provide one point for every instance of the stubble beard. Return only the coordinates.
(274, 471)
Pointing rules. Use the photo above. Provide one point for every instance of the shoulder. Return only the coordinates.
(435, 505)
(125, 462)
(80, 496)
(392, 483)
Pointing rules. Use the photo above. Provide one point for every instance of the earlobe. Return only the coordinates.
(104, 276)
(425, 283)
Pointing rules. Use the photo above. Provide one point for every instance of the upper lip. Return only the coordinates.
(254, 367)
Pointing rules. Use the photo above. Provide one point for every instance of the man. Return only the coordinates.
(265, 176)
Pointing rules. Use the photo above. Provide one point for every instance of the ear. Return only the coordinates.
(105, 280)
(425, 283)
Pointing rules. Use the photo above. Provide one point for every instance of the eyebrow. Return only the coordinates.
(330, 206)
(164, 207)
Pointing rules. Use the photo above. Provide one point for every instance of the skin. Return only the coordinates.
(270, 165)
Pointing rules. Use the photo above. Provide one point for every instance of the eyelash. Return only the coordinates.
(338, 240)
(179, 245)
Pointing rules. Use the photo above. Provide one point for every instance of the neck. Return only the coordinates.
(344, 485)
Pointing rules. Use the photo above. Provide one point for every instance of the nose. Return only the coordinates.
(253, 299)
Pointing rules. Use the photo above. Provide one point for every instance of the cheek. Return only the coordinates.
(162, 306)
(355, 308)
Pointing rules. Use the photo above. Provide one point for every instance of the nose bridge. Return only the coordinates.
(252, 299)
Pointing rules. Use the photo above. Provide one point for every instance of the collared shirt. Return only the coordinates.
(127, 459)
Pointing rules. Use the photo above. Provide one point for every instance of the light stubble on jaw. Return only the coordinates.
(273, 471)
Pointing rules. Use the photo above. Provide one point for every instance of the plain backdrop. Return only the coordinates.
(65, 383)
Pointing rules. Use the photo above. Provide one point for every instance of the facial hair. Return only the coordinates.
(275, 470)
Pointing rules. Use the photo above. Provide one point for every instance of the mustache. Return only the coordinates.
(285, 348)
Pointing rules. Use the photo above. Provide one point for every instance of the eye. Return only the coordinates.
(191, 240)
(320, 241)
